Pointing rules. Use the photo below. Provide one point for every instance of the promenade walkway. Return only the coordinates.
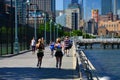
(23, 67)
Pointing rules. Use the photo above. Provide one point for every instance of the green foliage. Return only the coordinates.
(79, 33)
(76, 33)
(66, 33)
(73, 33)
(85, 35)
(3, 29)
(41, 29)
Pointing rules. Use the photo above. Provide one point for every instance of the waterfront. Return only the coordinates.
(106, 62)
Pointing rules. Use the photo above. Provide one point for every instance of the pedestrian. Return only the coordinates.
(52, 48)
(40, 53)
(42, 39)
(66, 45)
(58, 54)
(33, 45)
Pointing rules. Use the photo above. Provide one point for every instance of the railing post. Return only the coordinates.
(90, 45)
(112, 45)
(118, 46)
(85, 45)
(104, 45)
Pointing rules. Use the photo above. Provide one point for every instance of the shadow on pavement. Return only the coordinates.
(23, 73)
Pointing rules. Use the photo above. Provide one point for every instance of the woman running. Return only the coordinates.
(58, 53)
(40, 53)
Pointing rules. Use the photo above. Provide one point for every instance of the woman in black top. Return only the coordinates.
(58, 53)
(40, 53)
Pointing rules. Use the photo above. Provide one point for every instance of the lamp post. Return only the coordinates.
(57, 26)
(50, 30)
(27, 18)
(57, 29)
(11, 22)
(16, 44)
(54, 31)
(35, 18)
(35, 22)
(44, 14)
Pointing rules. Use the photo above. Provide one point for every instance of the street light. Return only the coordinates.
(57, 26)
(35, 22)
(35, 19)
(44, 14)
(16, 44)
(50, 30)
(57, 29)
(27, 3)
(54, 31)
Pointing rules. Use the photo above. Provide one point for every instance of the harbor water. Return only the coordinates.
(106, 62)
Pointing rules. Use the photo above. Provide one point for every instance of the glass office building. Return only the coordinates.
(67, 2)
(106, 6)
(74, 1)
(45, 5)
(116, 7)
(87, 6)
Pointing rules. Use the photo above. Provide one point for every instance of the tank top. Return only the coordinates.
(58, 47)
(41, 47)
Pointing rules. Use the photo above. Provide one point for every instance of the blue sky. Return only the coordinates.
(59, 4)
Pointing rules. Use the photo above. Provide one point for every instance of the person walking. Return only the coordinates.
(52, 48)
(66, 46)
(58, 53)
(40, 53)
(33, 45)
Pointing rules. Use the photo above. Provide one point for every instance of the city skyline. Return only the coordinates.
(59, 4)
(86, 4)
(87, 7)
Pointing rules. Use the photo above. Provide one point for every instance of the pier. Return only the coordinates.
(113, 43)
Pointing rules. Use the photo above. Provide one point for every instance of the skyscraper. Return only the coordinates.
(73, 16)
(81, 9)
(95, 14)
(106, 6)
(116, 7)
(45, 5)
(88, 5)
(67, 2)
(21, 11)
(74, 1)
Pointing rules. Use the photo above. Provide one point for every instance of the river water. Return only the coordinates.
(106, 62)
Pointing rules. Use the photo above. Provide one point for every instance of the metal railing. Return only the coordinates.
(99, 40)
(87, 67)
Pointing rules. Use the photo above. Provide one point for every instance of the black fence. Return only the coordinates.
(7, 35)
(25, 34)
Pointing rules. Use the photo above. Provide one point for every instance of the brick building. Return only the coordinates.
(108, 17)
(95, 14)
(109, 28)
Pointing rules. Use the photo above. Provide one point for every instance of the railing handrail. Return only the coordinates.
(111, 40)
(87, 66)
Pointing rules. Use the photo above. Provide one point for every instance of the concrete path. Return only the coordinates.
(23, 67)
